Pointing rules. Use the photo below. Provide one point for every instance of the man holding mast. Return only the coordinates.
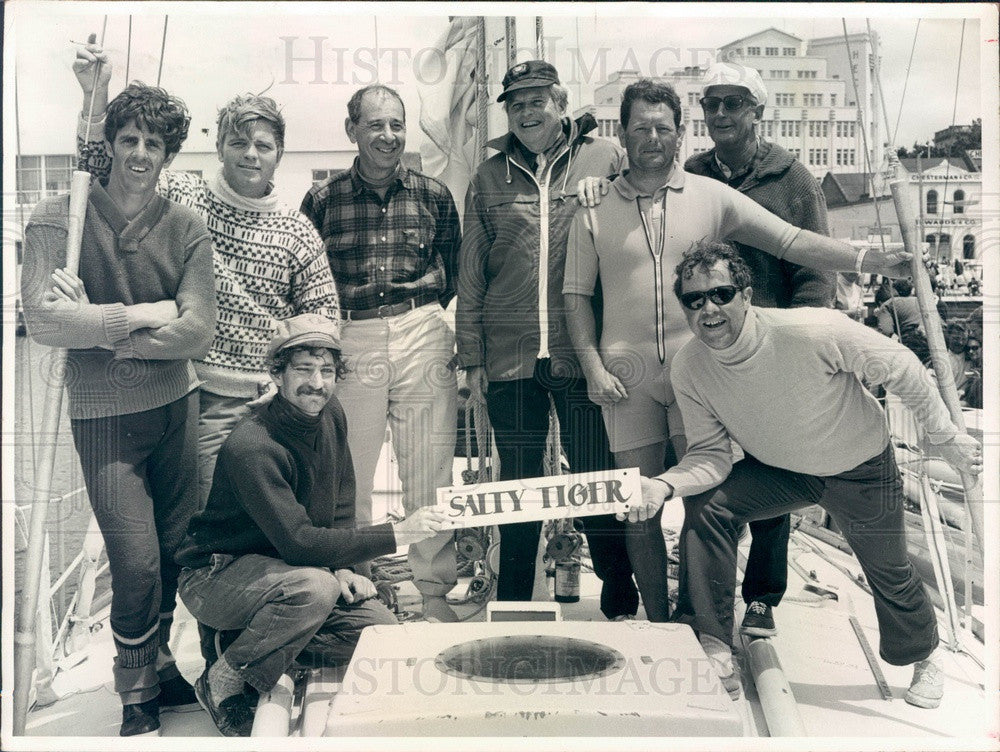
(141, 307)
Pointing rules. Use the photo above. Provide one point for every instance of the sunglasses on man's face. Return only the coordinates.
(732, 102)
(720, 295)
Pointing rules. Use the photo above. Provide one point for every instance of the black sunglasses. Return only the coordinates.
(731, 102)
(719, 295)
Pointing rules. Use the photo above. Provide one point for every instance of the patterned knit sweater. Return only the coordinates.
(269, 264)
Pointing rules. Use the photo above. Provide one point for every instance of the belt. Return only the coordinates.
(393, 309)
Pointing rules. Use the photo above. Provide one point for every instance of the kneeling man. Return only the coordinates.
(786, 386)
(271, 554)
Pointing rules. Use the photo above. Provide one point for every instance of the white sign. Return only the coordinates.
(549, 498)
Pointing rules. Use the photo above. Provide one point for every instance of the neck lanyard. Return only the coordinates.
(656, 251)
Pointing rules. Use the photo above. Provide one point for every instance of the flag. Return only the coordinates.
(447, 89)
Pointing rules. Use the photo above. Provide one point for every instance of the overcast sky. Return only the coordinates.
(214, 50)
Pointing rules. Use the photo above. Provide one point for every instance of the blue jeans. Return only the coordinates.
(286, 614)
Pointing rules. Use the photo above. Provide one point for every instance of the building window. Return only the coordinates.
(320, 176)
(771, 51)
(833, 100)
(39, 176)
(784, 100)
(958, 207)
(797, 153)
(968, 247)
(788, 51)
(932, 202)
(812, 100)
(692, 98)
(753, 51)
(850, 155)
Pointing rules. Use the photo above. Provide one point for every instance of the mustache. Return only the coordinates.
(307, 391)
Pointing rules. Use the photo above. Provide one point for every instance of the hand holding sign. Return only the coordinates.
(422, 524)
(654, 493)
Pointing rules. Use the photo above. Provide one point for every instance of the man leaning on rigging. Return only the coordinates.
(140, 308)
(733, 100)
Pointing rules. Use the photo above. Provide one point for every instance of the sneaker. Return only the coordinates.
(176, 694)
(141, 719)
(233, 716)
(927, 687)
(758, 621)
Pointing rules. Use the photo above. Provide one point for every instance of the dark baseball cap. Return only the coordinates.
(528, 74)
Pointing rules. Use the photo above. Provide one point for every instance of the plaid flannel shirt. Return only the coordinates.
(386, 252)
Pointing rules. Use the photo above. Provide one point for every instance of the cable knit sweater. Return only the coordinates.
(269, 264)
(789, 392)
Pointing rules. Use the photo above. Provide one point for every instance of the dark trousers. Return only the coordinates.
(866, 502)
(284, 614)
(141, 473)
(766, 575)
(519, 413)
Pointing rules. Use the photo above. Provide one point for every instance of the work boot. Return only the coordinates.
(233, 716)
(141, 719)
(758, 621)
(436, 609)
(176, 694)
(927, 687)
(720, 658)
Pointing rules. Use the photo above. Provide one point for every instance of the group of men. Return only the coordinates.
(221, 465)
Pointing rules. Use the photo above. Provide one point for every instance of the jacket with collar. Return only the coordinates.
(514, 245)
(781, 184)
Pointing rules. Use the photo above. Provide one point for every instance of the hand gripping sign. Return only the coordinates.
(548, 498)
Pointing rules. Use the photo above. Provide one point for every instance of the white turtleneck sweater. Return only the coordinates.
(789, 392)
(269, 264)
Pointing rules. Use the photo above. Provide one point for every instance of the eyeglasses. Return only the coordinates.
(732, 102)
(720, 295)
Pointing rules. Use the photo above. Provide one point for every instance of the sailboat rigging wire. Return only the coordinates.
(906, 81)
(163, 47)
(93, 93)
(864, 135)
(128, 50)
(954, 110)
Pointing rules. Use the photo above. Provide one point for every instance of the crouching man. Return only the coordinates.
(271, 554)
(827, 444)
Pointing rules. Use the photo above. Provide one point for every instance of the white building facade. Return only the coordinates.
(812, 109)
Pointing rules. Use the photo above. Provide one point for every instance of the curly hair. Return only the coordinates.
(703, 255)
(282, 358)
(243, 110)
(153, 109)
(654, 92)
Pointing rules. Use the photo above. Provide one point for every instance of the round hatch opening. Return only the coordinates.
(529, 659)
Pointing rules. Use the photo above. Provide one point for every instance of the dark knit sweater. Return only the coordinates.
(284, 487)
(164, 253)
(782, 185)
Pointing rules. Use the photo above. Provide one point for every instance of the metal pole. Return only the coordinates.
(24, 634)
(935, 342)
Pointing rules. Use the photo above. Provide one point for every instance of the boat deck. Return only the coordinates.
(834, 687)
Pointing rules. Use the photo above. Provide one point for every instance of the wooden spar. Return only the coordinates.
(24, 635)
(935, 340)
